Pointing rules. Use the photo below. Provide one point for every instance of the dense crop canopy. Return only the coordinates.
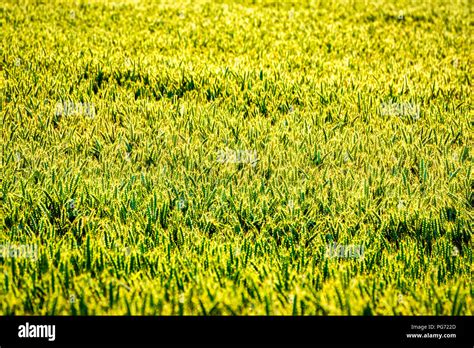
(236, 157)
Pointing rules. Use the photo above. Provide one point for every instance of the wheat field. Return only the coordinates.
(236, 157)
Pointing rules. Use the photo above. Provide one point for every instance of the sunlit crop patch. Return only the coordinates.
(236, 157)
